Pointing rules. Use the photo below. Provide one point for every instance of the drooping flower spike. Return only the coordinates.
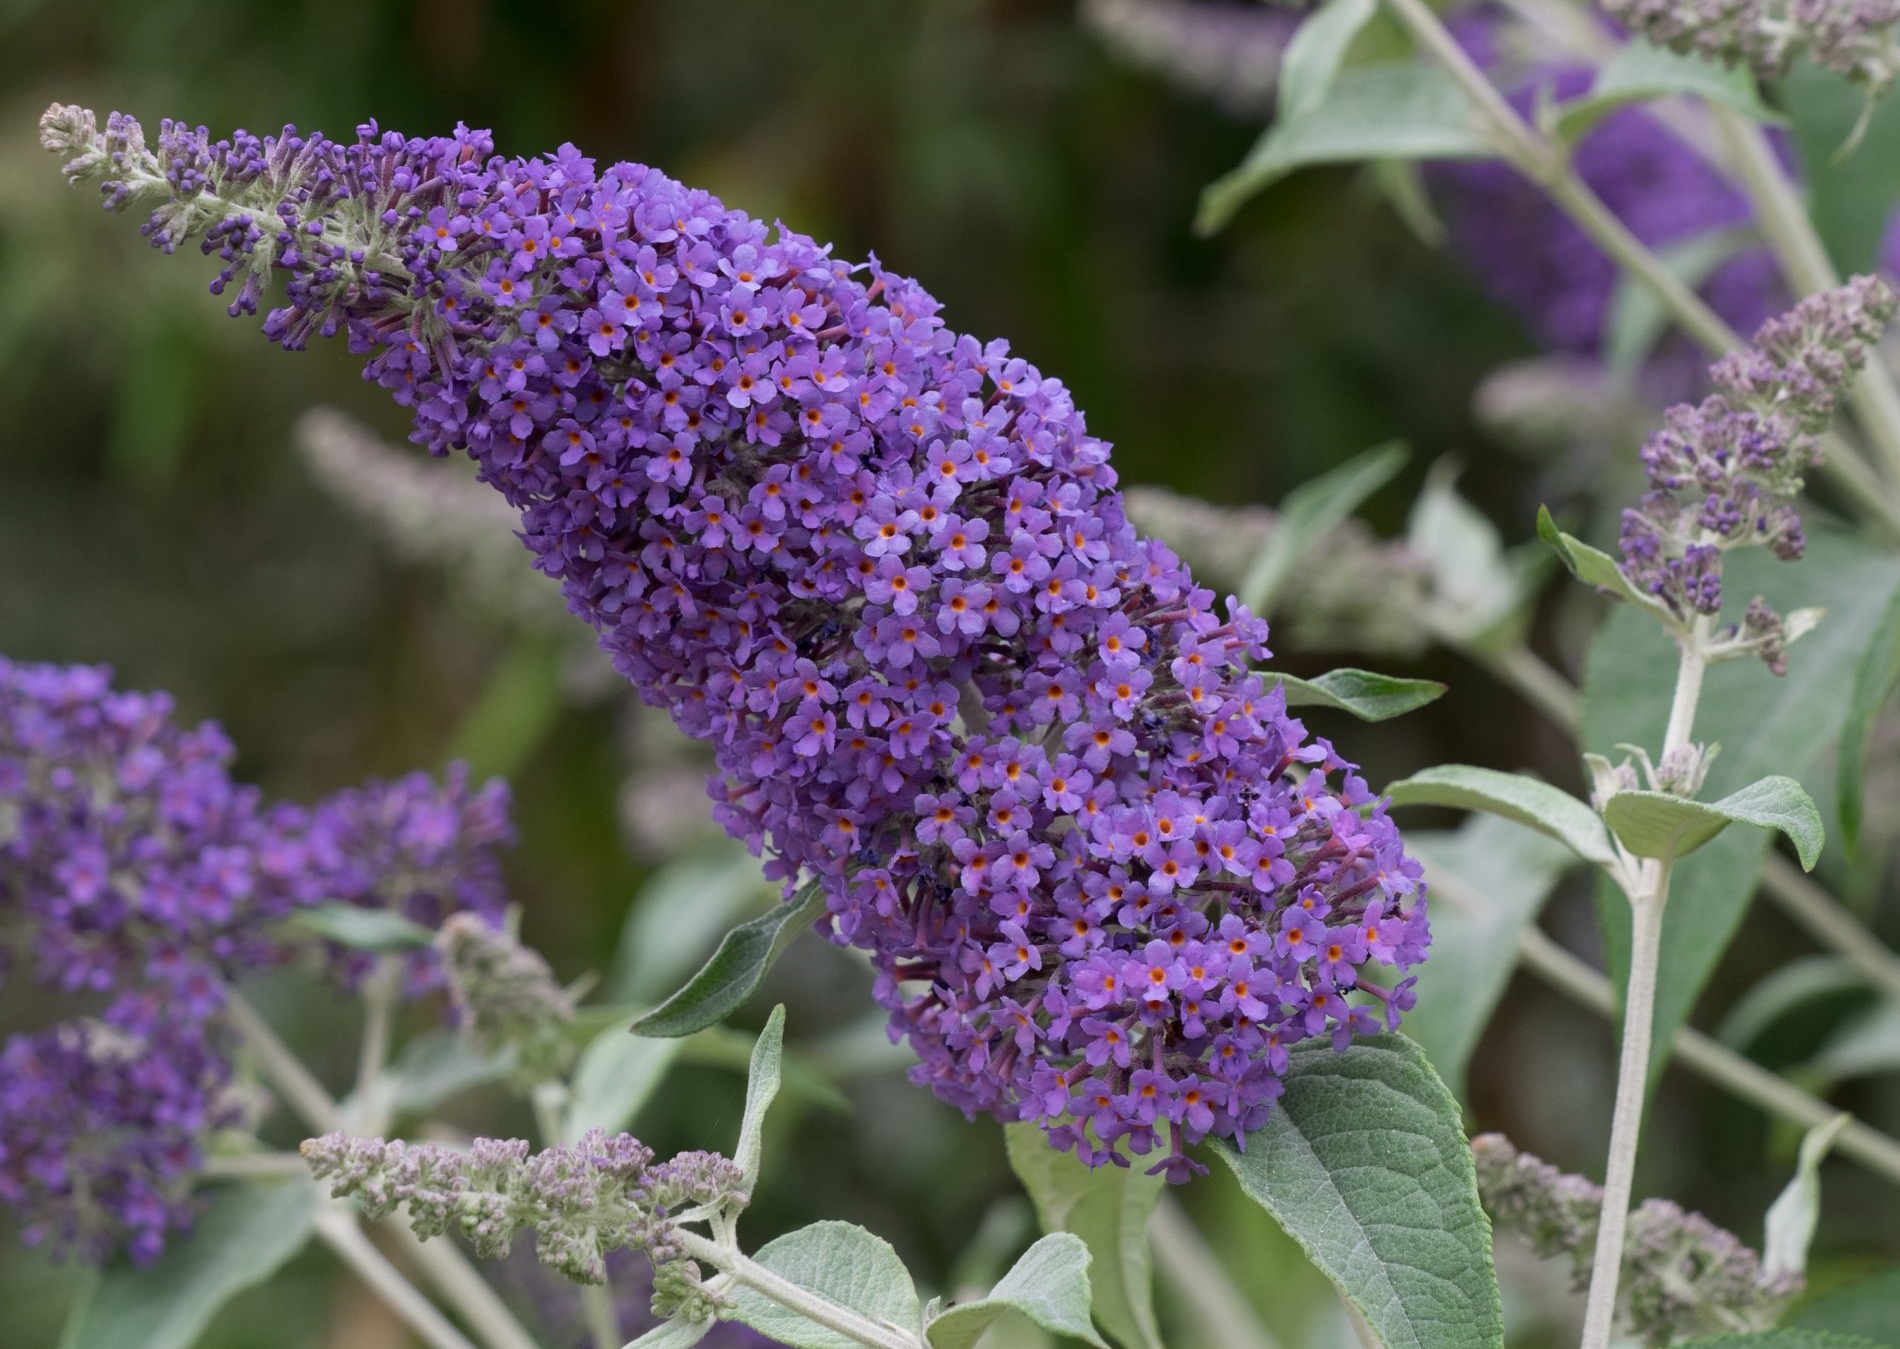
(883, 569)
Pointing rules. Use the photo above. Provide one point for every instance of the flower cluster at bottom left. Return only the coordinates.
(137, 876)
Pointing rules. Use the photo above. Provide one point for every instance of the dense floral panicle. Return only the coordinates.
(1723, 474)
(1855, 38)
(1682, 1275)
(129, 857)
(131, 865)
(1230, 52)
(884, 570)
(506, 997)
(582, 1201)
(103, 1126)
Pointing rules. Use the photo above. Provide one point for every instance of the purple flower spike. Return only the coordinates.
(883, 569)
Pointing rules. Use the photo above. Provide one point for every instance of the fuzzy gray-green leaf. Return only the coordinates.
(1049, 1285)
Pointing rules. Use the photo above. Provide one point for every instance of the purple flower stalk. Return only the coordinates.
(601, 1194)
(104, 1124)
(1723, 474)
(883, 569)
(132, 866)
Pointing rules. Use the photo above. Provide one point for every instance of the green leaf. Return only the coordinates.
(1394, 110)
(1368, 696)
(679, 915)
(1108, 1208)
(1790, 987)
(519, 705)
(1313, 510)
(1639, 72)
(1482, 591)
(1874, 677)
(617, 1074)
(1488, 881)
(1785, 1338)
(1870, 1308)
(436, 1065)
(736, 969)
(1049, 1285)
(1545, 808)
(838, 1261)
(676, 1334)
(1364, 1162)
(1866, 1046)
(1656, 824)
(1317, 51)
(1636, 319)
(1788, 1229)
(247, 1235)
(360, 929)
(761, 1089)
(1764, 723)
(1852, 198)
(1595, 567)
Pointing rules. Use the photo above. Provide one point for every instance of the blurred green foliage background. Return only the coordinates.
(153, 515)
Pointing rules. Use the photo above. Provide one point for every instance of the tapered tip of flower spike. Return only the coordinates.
(67, 126)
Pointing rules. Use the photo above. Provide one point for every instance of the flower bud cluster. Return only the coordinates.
(884, 570)
(1854, 38)
(133, 869)
(1723, 474)
(1682, 1275)
(506, 997)
(582, 1201)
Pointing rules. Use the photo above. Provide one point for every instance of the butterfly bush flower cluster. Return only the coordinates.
(883, 569)
(136, 873)
(1723, 474)
(1682, 1275)
(1854, 38)
(583, 1201)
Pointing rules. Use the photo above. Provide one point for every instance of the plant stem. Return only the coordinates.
(729, 1260)
(1805, 902)
(307, 1096)
(1632, 1080)
(1806, 267)
(1547, 165)
(255, 1165)
(379, 1000)
(336, 1228)
(1191, 1265)
(452, 1275)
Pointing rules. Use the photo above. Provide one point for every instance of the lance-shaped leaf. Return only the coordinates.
(245, 1237)
(842, 1263)
(1874, 677)
(1313, 510)
(1870, 1308)
(360, 929)
(1595, 567)
(1488, 881)
(1639, 72)
(616, 1075)
(1656, 824)
(1317, 51)
(1049, 1285)
(1545, 808)
(1364, 1162)
(761, 1089)
(678, 1333)
(1368, 696)
(1108, 1207)
(1789, 1226)
(1395, 110)
(736, 969)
